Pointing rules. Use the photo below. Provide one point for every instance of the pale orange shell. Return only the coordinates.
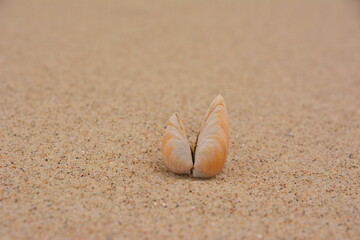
(176, 148)
(213, 141)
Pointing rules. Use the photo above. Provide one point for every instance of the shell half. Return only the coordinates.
(176, 148)
(213, 141)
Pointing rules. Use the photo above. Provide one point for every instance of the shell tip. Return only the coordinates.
(219, 97)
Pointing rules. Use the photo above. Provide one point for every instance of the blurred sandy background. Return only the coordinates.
(87, 86)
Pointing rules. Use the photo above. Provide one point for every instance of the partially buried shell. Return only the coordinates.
(213, 141)
(211, 147)
(175, 147)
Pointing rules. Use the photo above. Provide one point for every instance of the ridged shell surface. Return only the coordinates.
(213, 141)
(176, 148)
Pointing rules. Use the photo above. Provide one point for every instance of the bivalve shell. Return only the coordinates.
(211, 148)
(176, 148)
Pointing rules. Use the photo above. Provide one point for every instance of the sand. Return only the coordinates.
(86, 88)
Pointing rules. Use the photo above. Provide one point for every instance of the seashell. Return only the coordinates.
(176, 148)
(211, 147)
(213, 141)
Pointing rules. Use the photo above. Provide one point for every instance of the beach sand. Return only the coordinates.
(86, 88)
